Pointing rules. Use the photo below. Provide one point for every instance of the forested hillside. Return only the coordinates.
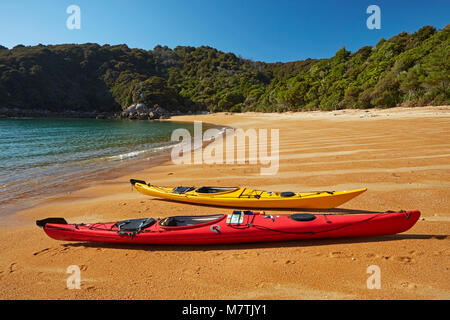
(408, 69)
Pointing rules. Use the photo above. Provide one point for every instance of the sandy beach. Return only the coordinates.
(402, 155)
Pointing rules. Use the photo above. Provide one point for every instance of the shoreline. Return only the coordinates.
(106, 173)
(111, 173)
(402, 162)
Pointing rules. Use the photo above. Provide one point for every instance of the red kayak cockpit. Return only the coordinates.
(186, 221)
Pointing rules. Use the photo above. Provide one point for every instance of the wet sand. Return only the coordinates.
(401, 155)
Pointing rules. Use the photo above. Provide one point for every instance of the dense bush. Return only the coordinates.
(408, 69)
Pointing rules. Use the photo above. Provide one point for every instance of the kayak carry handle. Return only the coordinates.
(134, 181)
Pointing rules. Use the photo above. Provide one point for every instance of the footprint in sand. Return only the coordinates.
(83, 267)
(407, 285)
(59, 250)
(445, 252)
(12, 267)
(318, 254)
(401, 259)
(404, 259)
(41, 251)
(339, 254)
(52, 251)
(416, 253)
(191, 271)
(238, 256)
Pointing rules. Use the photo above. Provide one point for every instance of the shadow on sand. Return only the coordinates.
(333, 210)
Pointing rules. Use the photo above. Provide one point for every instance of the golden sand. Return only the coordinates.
(401, 155)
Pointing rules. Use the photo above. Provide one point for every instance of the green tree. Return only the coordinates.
(437, 68)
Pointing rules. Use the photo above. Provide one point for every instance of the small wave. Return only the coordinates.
(163, 147)
(127, 155)
(134, 154)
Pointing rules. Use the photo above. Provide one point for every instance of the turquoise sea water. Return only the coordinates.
(45, 156)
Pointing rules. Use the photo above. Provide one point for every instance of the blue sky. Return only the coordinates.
(257, 29)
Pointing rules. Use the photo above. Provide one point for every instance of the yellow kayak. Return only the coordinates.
(239, 197)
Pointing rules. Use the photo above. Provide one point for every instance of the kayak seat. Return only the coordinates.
(214, 189)
(181, 190)
(303, 217)
(135, 224)
(181, 221)
(287, 194)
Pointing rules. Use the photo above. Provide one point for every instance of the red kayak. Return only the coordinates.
(240, 226)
